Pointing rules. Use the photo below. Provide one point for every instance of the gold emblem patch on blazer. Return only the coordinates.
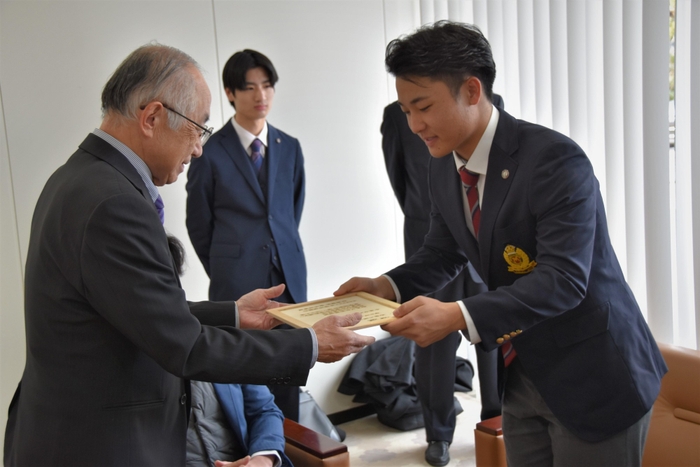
(518, 261)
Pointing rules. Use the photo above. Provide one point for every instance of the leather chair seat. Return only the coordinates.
(674, 431)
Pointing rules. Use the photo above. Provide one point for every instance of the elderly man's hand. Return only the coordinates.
(252, 306)
(335, 341)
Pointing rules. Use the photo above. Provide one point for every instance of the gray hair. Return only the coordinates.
(152, 72)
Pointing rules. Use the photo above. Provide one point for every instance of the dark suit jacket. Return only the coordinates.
(240, 230)
(110, 335)
(583, 340)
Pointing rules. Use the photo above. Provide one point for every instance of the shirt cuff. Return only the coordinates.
(238, 319)
(393, 286)
(314, 354)
(473, 336)
(277, 462)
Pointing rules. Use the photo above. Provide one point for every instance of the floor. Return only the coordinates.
(373, 444)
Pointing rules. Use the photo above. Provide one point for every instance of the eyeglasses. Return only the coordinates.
(206, 131)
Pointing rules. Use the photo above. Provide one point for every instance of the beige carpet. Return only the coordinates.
(372, 444)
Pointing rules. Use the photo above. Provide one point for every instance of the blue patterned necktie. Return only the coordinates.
(160, 207)
(256, 154)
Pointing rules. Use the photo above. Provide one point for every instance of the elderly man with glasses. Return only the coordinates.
(112, 341)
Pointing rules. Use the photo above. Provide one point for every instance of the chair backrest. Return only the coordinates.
(674, 432)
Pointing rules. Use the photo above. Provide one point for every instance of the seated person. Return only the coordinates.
(231, 421)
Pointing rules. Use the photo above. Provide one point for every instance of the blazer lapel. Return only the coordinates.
(446, 189)
(231, 144)
(108, 153)
(500, 174)
(231, 401)
(274, 152)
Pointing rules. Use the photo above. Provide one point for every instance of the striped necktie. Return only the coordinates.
(470, 180)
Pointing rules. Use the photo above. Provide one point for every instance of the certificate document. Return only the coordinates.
(375, 310)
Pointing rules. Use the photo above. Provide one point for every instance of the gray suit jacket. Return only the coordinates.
(111, 339)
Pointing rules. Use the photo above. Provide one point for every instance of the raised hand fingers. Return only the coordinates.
(335, 341)
(426, 320)
(356, 284)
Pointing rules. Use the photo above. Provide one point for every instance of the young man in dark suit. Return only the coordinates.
(407, 158)
(112, 341)
(520, 202)
(245, 198)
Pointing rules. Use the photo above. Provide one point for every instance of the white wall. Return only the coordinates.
(55, 56)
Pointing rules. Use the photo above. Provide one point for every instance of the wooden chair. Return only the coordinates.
(674, 431)
(488, 443)
(307, 448)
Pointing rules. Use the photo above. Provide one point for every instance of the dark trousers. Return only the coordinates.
(435, 371)
(534, 437)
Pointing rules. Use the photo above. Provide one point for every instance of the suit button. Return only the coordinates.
(499, 340)
(506, 337)
(264, 247)
(272, 240)
(518, 331)
(513, 334)
(183, 399)
(287, 380)
(273, 380)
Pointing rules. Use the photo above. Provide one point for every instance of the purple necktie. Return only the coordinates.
(256, 154)
(160, 207)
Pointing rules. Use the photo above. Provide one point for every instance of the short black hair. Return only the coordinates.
(238, 65)
(446, 51)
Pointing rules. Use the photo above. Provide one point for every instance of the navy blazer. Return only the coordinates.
(553, 278)
(256, 422)
(111, 339)
(240, 231)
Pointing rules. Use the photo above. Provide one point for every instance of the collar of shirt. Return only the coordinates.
(135, 160)
(247, 137)
(479, 160)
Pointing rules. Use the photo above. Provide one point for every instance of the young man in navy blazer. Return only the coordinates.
(579, 366)
(407, 158)
(245, 197)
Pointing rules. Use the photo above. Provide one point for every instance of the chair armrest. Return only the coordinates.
(488, 443)
(309, 448)
(491, 426)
